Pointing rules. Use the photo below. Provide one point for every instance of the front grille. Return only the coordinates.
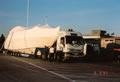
(74, 50)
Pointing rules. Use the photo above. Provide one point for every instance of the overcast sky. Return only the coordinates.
(81, 15)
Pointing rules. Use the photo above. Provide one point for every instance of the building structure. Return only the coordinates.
(95, 36)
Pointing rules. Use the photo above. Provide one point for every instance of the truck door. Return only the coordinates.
(60, 44)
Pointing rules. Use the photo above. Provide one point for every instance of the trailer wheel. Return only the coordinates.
(13, 53)
(18, 54)
(44, 56)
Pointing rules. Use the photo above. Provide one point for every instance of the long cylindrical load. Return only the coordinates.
(39, 36)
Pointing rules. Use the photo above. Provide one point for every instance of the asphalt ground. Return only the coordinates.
(20, 69)
(13, 70)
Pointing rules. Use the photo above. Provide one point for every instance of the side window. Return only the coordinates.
(62, 40)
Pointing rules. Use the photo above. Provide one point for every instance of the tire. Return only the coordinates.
(59, 57)
(44, 56)
(11, 53)
(18, 54)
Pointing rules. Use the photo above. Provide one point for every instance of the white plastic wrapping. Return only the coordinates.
(39, 36)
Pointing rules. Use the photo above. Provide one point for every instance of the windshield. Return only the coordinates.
(74, 40)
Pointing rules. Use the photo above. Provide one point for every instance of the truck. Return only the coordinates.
(117, 48)
(38, 40)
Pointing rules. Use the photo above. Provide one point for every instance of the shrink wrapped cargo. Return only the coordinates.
(39, 36)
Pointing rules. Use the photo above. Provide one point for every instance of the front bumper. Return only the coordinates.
(73, 55)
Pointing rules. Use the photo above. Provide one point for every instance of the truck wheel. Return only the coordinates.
(59, 57)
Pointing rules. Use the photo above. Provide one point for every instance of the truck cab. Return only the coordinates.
(70, 44)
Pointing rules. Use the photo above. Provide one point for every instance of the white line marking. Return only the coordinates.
(47, 70)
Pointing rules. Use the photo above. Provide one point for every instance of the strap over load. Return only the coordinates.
(38, 36)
